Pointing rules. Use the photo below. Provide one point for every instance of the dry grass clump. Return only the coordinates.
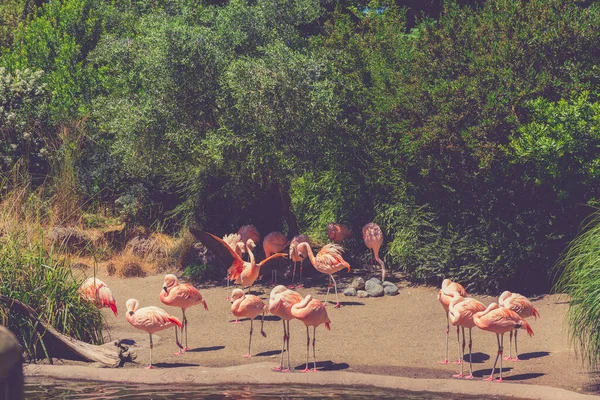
(128, 265)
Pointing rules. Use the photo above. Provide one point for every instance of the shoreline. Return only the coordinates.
(261, 374)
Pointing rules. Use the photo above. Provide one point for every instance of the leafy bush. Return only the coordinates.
(203, 273)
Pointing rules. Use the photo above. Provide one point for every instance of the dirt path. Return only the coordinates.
(395, 336)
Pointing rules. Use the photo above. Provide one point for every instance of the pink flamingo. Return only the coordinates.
(499, 321)
(244, 273)
(281, 301)
(461, 311)
(337, 232)
(373, 238)
(182, 295)
(96, 291)
(151, 320)
(248, 232)
(444, 299)
(522, 306)
(274, 243)
(328, 261)
(234, 240)
(248, 306)
(311, 312)
(295, 257)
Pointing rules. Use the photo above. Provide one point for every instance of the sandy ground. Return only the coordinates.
(400, 336)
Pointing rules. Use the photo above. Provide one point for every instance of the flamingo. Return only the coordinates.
(180, 295)
(461, 311)
(248, 232)
(274, 243)
(373, 238)
(444, 299)
(248, 306)
(151, 320)
(295, 257)
(281, 301)
(234, 240)
(522, 306)
(244, 272)
(311, 312)
(499, 321)
(328, 261)
(337, 232)
(96, 291)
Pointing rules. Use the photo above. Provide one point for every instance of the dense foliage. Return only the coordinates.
(468, 131)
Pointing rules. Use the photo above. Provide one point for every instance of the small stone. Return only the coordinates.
(390, 290)
(387, 283)
(374, 289)
(358, 283)
(362, 294)
(350, 291)
(375, 280)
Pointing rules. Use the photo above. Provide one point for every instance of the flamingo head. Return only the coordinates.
(237, 294)
(170, 281)
(132, 306)
(275, 291)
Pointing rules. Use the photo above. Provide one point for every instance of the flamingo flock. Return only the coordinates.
(506, 316)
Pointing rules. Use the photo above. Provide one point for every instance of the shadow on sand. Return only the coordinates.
(268, 353)
(477, 358)
(203, 349)
(323, 366)
(523, 377)
(535, 354)
(174, 365)
(484, 373)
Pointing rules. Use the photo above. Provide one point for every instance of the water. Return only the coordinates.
(60, 389)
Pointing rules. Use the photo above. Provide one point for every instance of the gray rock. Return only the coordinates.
(375, 280)
(358, 283)
(387, 283)
(350, 291)
(374, 289)
(390, 290)
(362, 293)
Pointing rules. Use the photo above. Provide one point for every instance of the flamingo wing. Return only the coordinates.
(274, 261)
(217, 246)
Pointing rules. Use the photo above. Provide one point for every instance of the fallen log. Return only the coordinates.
(63, 346)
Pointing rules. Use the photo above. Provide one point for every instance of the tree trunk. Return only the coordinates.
(286, 211)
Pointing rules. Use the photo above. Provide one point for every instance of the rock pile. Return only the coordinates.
(371, 288)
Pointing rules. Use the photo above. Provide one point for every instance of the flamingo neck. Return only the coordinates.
(309, 252)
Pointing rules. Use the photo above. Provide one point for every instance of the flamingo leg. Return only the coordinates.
(185, 326)
(459, 361)
(337, 304)
(501, 349)
(447, 336)
(516, 358)
(462, 356)
(178, 344)
(314, 348)
(150, 366)
(293, 274)
(287, 340)
(250, 341)
(300, 284)
(328, 288)
(280, 368)
(470, 376)
(499, 355)
(510, 347)
(307, 349)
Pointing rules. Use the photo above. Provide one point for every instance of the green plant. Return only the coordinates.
(203, 272)
(580, 280)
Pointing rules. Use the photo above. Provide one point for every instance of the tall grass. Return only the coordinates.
(580, 279)
(32, 273)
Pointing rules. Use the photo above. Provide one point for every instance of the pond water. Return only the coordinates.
(60, 389)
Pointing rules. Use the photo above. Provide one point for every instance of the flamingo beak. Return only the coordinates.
(130, 312)
(165, 289)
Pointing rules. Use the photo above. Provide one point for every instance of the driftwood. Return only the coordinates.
(63, 346)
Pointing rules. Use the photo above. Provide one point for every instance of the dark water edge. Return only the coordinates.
(43, 389)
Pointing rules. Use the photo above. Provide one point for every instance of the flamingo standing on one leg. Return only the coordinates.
(96, 291)
(337, 232)
(373, 238)
(248, 306)
(151, 320)
(522, 306)
(281, 301)
(499, 321)
(328, 261)
(183, 296)
(295, 257)
(447, 287)
(274, 243)
(244, 273)
(461, 311)
(313, 313)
